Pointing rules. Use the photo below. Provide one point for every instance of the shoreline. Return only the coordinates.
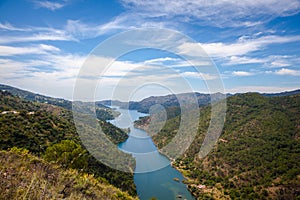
(186, 179)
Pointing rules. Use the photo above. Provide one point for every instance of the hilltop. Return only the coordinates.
(102, 112)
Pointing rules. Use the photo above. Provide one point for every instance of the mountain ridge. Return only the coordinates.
(143, 105)
(172, 101)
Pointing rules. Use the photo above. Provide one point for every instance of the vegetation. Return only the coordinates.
(48, 130)
(35, 126)
(68, 153)
(102, 112)
(30, 96)
(25, 176)
(115, 134)
(257, 155)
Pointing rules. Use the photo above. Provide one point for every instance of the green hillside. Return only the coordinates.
(38, 127)
(25, 176)
(257, 155)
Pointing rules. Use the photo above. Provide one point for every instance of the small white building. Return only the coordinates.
(9, 112)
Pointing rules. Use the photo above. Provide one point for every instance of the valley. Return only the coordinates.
(256, 157)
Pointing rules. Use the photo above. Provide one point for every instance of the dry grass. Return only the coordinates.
(24, 176)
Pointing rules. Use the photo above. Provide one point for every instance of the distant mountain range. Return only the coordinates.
(142, 106)
(169, 101)
(281, 94)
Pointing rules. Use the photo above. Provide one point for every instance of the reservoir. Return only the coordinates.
(154, 177)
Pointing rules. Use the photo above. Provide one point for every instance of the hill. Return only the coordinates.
(257, 155)
(25, 176)
(102, 112)
(39, 127)
(171, 102)
(281, 94)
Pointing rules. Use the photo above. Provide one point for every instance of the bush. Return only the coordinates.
(67, 153)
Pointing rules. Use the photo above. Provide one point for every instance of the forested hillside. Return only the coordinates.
(48, 131)
(257, 155)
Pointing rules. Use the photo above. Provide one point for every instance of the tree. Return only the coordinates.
(67, 153)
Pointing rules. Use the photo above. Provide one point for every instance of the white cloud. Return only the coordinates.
(74, 30)
(38, 49)
(241, 47)
(50, 73)
(49, 5)
(124, 21)
(14, 34)
(235, 60)
(9, 68)
(34, 37)
(83, 30)
(285, 71)
(273, 61)
(218, 13)
(199, 75)
(125, 77)
(160, 61)
(260, 89)
(242, 73)
(280, 63)
(8, 27)
(44, 59)
(17, 66)
(48, 47)
(177, 63)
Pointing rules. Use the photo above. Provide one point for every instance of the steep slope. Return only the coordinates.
(257, 155)
(39, 124)
(37, 127)
(25, 176)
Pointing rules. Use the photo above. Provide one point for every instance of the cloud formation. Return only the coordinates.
(50, 5)
(242, 46)
(285, 71)
(242, 73)
(37, 49)
(227, 13)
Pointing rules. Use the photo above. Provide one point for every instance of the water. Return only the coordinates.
(154, 176)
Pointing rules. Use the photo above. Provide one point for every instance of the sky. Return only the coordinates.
(253, 44)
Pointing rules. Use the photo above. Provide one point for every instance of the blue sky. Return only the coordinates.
(254, 44)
